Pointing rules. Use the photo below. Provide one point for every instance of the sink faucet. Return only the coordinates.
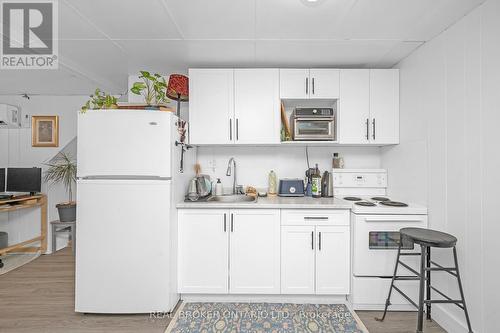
(228, 172)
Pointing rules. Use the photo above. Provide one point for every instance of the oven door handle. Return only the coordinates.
(392, 220)
(325, 118)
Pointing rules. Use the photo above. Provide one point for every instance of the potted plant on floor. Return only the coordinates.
(62, 169)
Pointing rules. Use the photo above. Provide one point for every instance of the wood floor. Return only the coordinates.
(39, 297)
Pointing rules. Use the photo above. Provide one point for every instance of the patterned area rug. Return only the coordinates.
(264, 318)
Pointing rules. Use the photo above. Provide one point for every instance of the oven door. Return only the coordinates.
(314, 128)
(376, 240)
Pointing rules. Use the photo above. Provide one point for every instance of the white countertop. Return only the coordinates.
(275, 202)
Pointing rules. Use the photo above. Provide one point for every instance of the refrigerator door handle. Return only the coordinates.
(128, 177)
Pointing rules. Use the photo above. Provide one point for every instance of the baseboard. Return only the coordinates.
(446, 320)
(298, 299)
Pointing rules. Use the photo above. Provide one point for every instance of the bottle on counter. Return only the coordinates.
(316, 183)
(218, 187)
(337, 162)
(272, 183)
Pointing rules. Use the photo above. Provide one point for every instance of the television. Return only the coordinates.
(2, 180)
(24, 180)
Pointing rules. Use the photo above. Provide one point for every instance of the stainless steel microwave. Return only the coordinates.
(314, 124)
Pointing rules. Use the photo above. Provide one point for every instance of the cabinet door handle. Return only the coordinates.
(237, 129)
(319, 245)
(313, 86)
(307, 85)
(232, 222)
(230, 129)
(373, 123)
(224, 222)
(312, 240)
(315, 217)
(367, 129)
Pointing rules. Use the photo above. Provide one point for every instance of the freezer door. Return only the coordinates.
(123, 258)
(124, 143)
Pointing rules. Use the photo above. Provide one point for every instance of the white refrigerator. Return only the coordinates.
(128, 184)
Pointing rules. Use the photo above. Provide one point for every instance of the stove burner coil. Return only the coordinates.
(394, 204)
(365, 204)
(380, 199)
(352, 199)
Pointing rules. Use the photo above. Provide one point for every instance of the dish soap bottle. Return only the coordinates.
(272, 183)
(218, 187)
(337, 162)
(316, 183)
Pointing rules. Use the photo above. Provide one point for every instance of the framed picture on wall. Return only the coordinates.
(45, 131)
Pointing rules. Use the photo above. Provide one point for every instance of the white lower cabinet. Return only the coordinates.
(297, 260)
(203, 251)
(333, 260)
(315, 256)
(254, 252)
(229, 251)
(264, 251)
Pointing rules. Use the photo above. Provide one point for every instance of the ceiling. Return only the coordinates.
(102, 41)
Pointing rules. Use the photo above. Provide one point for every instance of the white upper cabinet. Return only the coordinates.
(324, 83)
(354, 118)
(294, 83)
(384, 106)
(242, 106)
(254, 251)
(211, 106)
(256, 106)
(309, 83)
(369, 106)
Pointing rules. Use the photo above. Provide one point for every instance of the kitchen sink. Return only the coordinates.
(233, 198)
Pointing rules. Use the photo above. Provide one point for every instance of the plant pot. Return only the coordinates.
(67, 211)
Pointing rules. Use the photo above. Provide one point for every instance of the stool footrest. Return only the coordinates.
(450, 270)
(410, 254)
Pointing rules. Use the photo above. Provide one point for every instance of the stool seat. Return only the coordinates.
(428, 237)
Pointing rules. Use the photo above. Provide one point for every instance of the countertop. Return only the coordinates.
(275, 202)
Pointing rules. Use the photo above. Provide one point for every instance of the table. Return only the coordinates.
(25, 202)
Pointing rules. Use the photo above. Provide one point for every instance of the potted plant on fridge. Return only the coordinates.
(152, 88)
(100, 100)
(62, 169)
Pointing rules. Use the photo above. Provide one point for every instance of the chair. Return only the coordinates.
(427, 239)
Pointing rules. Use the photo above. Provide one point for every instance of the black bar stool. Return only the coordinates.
(426, 238)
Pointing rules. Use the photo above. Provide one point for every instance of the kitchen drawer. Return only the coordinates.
(314, 217)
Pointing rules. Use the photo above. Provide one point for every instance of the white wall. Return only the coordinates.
(449, 156)
(16, 151)
(254, 163)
